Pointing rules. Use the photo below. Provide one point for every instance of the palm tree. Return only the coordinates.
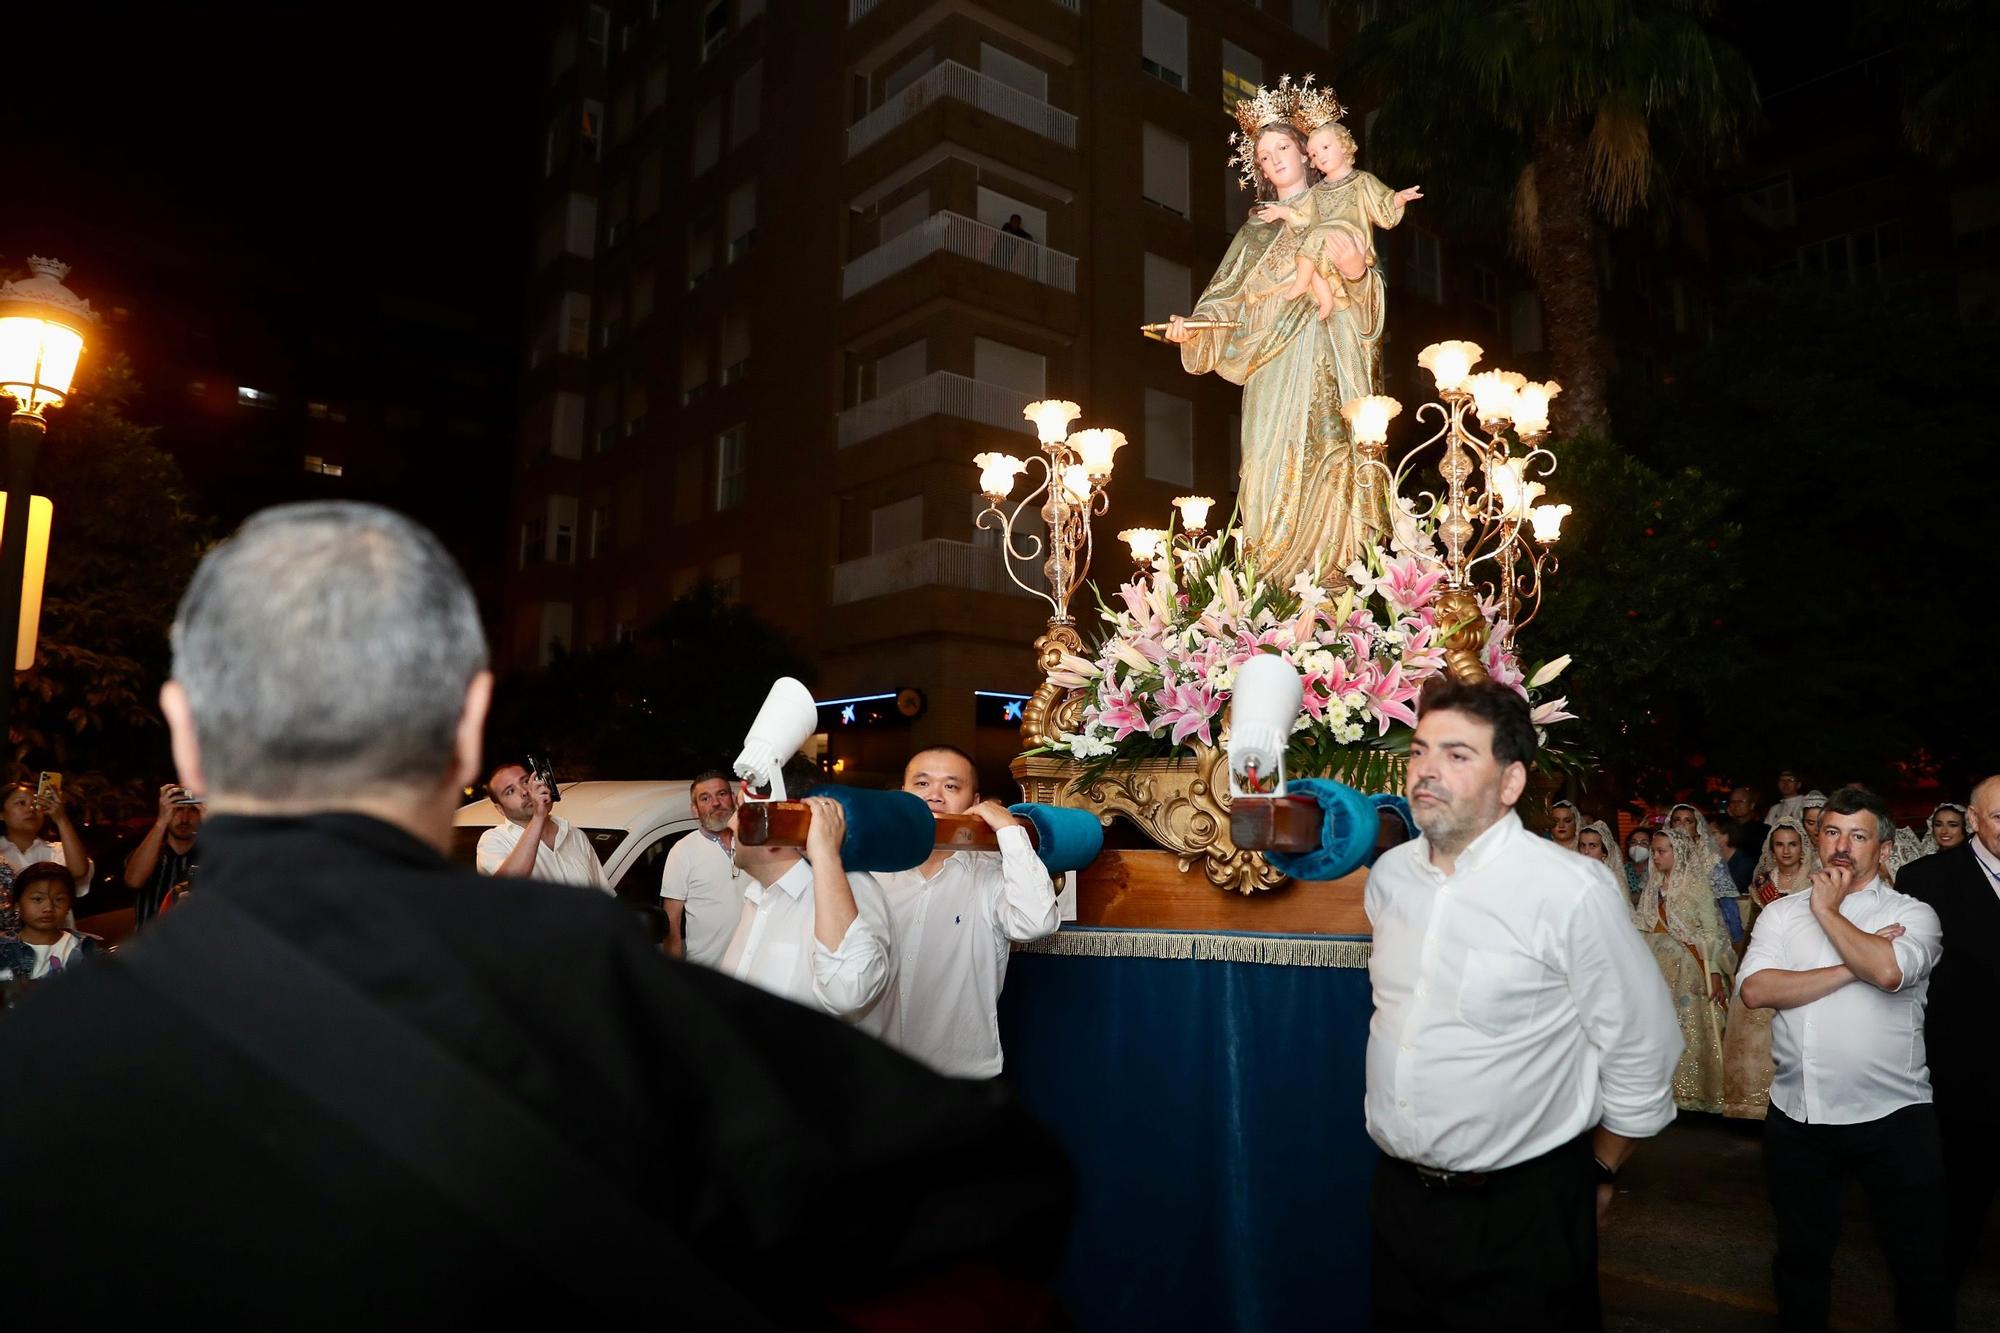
(1553, 114)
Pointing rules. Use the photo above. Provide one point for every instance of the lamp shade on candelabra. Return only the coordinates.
(1548, 521)
(1369, 417)
(1145, 542)
(1531, 406)
(1450, 362)
(1076, 483)
(997, 473)
(1094, 449)
(1052, 417)
(1493, 394)
(1194, 511)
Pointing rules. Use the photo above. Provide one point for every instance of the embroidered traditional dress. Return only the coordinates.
(1678, 914)
(1746, 1042)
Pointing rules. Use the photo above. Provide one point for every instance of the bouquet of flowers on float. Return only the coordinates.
(1364, 648)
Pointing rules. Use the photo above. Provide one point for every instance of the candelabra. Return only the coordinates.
(1075, 466)
(1490, 490)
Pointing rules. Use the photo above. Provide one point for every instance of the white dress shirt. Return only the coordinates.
(952, 934)
(571, 861)
(41, 849)
(702, 874)
(1515, 1006)
(1987, 862)
(1856, 1054)
(774, 947)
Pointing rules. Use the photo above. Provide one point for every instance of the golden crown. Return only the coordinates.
(1269, 106)
(1315, 108)
(1301, 106)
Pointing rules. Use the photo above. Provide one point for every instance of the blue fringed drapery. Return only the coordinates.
(1208, 1088)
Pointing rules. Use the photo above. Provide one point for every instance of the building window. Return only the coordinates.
(731, 467)
(1524, 317)
(906, 365)
(1426, 266)
(1164, 169)
(740, 219)
(621, 117)
(555, 144)
(1169, 438)
(746, 100)
(1309, 19)
(1857, 257)
(574, 324)
(636, 403)
(562, 529)
(701, 257)
(562, 54)
(654, 94)
(694, 370)
(249, 397)
(735, 356)
(609, 428)
(642, 297)
(1011, 367)
(580, 226)
(1771, 204)
(600, 530)
(1167, 289)
(1485, 288)
(597, 35)
(1242, 75)
(320, 467)
(566, 426)
(707, 139)
(591, 130)
(893, 526)
(611, 320)
(1013, 71)
(1163, 43)
(617, 210)
(714, 27)
(648, 202)
(534, 541)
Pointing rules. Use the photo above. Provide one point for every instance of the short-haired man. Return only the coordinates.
(498, 1102)
(701, 889)
(955, 916)
(1791, 797)
(1847, 965)
(164, 858)
(1962, 885)
(531, 841)
(1522, 1040)
(812, 930)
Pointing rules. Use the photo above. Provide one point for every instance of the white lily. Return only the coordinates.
(1549, 672)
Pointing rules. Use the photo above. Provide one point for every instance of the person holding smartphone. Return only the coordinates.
(533, 842)
(26, 810)
(165, 857)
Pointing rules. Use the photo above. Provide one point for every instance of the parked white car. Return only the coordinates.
(630, 825)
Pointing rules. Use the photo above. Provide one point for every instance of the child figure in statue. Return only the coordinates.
(1338, 216)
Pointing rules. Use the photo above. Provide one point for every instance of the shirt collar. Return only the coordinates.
(1984, 857)
(1481, 849)
(796, 880)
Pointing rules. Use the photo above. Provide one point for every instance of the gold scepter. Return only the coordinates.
(1158, 332)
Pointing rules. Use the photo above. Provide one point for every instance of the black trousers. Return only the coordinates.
(1901, 1170)
(1516, 1251)
(1972, 1177)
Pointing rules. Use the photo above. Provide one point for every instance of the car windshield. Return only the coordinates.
(465, 842)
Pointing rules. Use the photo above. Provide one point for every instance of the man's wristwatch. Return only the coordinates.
(1605, 1175)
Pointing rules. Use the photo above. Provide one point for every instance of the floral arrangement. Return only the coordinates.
(1184, 625)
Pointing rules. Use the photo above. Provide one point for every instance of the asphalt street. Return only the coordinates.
(1687, 1246)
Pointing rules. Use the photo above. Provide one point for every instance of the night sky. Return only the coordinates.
(321, 145)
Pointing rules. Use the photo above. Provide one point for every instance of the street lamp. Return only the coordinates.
(42, 329)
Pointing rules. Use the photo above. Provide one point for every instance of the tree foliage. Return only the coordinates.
(122, 547)
(674, 700)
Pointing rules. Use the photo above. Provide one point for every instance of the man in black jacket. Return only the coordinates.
(348, 1083)
(1962, 885)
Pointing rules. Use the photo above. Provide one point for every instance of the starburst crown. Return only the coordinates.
(1300, 105)
(1315, 108)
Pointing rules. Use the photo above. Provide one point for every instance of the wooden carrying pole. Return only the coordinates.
(1292, 824)
(784, 824)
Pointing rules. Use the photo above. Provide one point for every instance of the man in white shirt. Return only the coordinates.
(700, 887)
(533, 842)
(1847, 967)
(813, 932)
(1522, 1040)
(954, 917)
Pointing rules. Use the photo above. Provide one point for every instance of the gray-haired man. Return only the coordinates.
(491, 1101)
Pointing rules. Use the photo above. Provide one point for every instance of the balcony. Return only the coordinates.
(858, 10)
(961, 83)
(937, 563)
(938, 393)
(953, 233)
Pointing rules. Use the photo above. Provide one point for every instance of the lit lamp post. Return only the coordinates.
(42, 328)
(1490, 492)
(1075, 468)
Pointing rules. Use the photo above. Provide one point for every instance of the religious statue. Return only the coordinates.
(1295, 314)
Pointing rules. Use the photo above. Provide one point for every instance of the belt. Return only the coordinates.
(1436, 1178)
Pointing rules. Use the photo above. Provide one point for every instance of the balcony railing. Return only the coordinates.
(953, 233)
(937, 563)
(938, 393)
(859, 9)
(961, 83)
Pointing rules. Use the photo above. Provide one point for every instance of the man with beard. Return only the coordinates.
(700, 887)
(533, 842)
(1847, 966)
(1522, 1040)
(1961, 881)
(164, 859)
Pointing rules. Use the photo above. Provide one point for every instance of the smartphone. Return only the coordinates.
(48, 786)
(539, 767)
(182, 796)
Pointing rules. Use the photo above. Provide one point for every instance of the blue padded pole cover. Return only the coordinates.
(886, 830)
(1065, 839)
(1398, 805)
(1348, 829)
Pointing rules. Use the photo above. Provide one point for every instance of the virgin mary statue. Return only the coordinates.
(1305, 505)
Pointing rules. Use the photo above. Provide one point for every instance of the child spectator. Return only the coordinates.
(43, 946)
